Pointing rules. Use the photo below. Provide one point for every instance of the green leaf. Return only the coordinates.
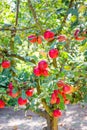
(61, 105)
(23, 94)
(85, 98)
(85, 53)
(73, 11)
(17, 39)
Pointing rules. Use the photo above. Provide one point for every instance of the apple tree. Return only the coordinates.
(43, 55)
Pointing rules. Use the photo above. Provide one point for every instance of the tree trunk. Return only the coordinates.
(52, 124)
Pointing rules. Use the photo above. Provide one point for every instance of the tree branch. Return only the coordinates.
(17, 29)
(18, 2)
(46, 107)
(17, 56)
(64, 19)
(35, 16)
(55, 63)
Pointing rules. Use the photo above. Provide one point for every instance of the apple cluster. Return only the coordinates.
(63, 90)
(17, 94)
(48, 35)
(41, 69)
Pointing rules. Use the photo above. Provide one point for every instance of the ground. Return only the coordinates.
(74, 118)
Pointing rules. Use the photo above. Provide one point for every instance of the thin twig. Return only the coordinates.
(17, 29)
(35, 16)
(65, 17)
(17, 12)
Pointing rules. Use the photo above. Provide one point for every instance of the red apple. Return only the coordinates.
(13, 95)
(39, 39)
(66, 101)
(6, 64)
(10, 86)
(32, 38)
(62, 38)
(44, 73)
(42, 65)
(56, 92)
(57, 113)
(2, 104)
(22, 101)
(80, 38)
(29, 92)
(60, 83)
(53, 98)
(37, 71)
(49, 35)
(76, 32)
(58, 101)
(53, 53)
(63, 95)
(66, 89)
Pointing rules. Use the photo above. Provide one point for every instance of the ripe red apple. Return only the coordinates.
(76, 32)
(13, 95)
(53, 53)
(63, 95)
(22, 101)
(32, 38)
(29, 92)
(53, 98)
(10, 86)
(66, 101)
(6, 64)
(2, 104)
(66, 89)
(80, 38)
(39, 39)
(58, 101)
(56, 92)
(49, 35)
(44, 73)
(62, 38)
(37, 71)
(60, 83)
(57, 113)
(42, 65)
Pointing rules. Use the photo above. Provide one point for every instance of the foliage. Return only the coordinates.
(61, 17)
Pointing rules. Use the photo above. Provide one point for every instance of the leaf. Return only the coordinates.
(23, 94)
(84, 42)
(85, 98)
(73, 11)
(17, 39)
(61, 105)
(58, 11)
(85, 53)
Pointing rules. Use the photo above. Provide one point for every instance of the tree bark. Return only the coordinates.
(52, 123)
